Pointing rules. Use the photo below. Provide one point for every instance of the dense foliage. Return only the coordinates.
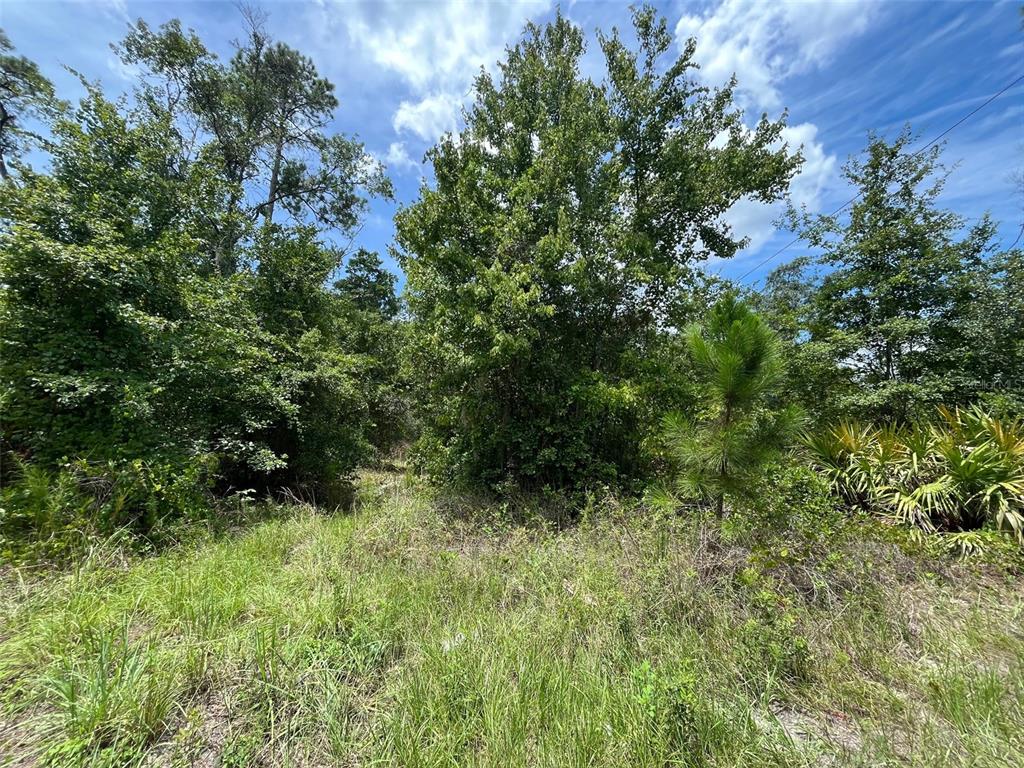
(561, 233)
(147, 357)
(178, 326)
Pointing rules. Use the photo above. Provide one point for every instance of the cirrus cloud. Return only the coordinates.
(764, 43)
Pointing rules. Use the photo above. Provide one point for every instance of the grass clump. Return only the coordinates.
(407, 634)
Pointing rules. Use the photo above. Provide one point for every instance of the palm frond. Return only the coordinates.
(961, 472)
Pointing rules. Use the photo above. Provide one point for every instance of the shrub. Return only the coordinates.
(672, 706)
(961, 473)
(56, 513)
(120, 348)
(792, 497)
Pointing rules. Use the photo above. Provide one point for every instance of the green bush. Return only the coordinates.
(789, 496)
(673, 708)
(959, 474)
(57, 513)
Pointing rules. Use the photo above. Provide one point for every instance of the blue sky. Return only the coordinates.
(404, 69)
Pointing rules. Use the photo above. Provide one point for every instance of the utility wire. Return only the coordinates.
(853, 199)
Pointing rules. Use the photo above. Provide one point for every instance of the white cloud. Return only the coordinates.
(397, 158)
(117, 10)
(755, 220)
(428, 118)
(764, 43)
(436, 48)
(818, 167)
(127, 72)
(445, 41)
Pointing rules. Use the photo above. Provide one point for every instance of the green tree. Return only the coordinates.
(982, 353)
(24, 94)
(320, 430)
(261, 119)
(564, 222)
(368, 286)
(114, 346)
(901, 284)
(374, 331)
(813, 377)
(126, 359)
(737, 359)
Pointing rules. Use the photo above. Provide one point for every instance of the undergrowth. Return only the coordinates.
(421, 630)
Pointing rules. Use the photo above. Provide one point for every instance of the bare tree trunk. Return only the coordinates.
(724, 468)
(5, 119)
(274, 174)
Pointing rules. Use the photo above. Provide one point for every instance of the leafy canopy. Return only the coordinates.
(563, 225)
(260, 120)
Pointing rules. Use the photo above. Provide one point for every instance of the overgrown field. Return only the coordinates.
(421, 631)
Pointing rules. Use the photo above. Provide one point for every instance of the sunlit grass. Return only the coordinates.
(406, 634)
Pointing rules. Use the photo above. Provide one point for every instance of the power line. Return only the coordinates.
(853, 199)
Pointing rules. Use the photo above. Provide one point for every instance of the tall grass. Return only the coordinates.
(412, 633)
